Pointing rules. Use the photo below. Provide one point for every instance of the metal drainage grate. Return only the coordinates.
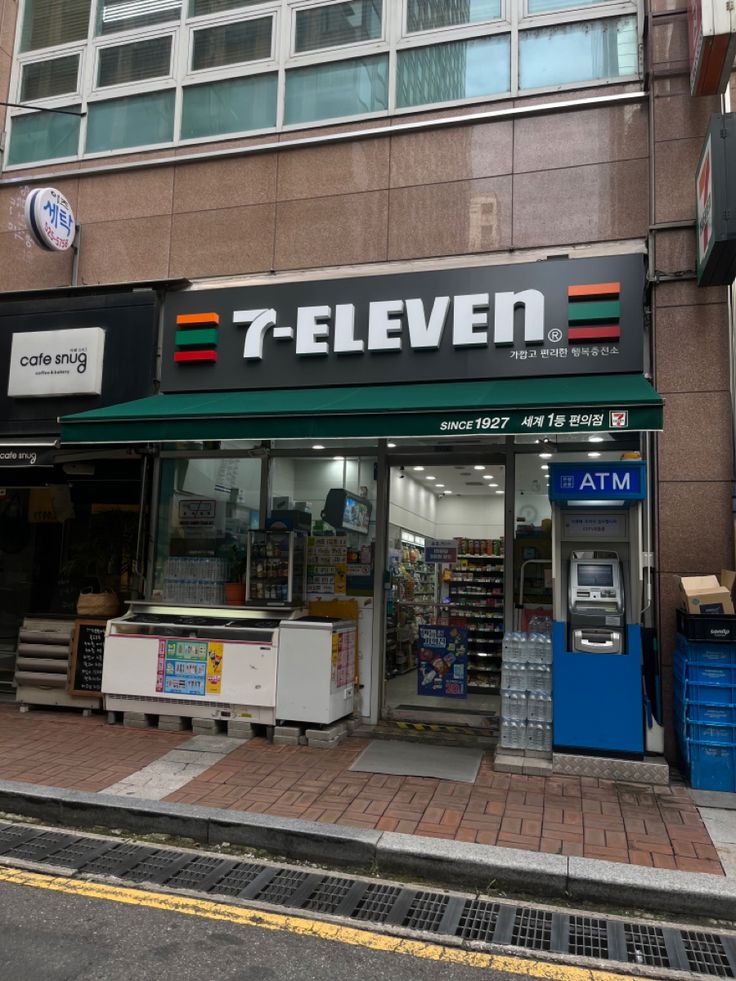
(117, 860)
(282, 887)
(588, 937)
(478, 920)
(438, 913)
(646, 945)
(426, 911)
(706, 953)
(328, 895)
(41, 846)
(376, 903)
(202, 874)
(532, 929)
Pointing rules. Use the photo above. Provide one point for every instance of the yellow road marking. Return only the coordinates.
(303, 926)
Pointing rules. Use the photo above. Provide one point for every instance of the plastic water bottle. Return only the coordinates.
(513, 705)
(535, 736)
(539, 706)
(510, 734)
(547, 737)
(514, 676)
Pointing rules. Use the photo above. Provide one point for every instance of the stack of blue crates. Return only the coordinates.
(705, 699)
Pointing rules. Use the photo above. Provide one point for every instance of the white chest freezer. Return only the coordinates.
(316, 670)
(197, 662)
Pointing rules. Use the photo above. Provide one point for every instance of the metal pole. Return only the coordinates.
(75, 250)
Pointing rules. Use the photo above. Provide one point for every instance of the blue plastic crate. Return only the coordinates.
(711, 732)
(706, 652)
(698, 672)
(708, 712)
(712, 766)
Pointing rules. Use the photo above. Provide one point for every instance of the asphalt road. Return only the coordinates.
(48, 935)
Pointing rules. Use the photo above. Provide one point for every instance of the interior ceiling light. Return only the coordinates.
(391, 446)
(493, 485)
(448, 492)
(595, 439)
(417, 468)
(318, 446)
(499, 492)
(439, 485)
(594, 454)
(338, 458)
(545, 466)
(430, 477)
(487, 476)
(479, 466)
(545, 456)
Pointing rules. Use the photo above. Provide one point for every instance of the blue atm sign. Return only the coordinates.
(598, 481)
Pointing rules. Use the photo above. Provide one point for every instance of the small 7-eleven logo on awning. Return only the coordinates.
(594, 313)
(196, 337)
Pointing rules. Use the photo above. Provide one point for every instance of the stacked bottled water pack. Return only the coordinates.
(526, 691)
(195, 579)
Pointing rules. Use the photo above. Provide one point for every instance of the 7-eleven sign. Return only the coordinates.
(704, 190)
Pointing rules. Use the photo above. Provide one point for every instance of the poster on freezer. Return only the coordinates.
(189, 667)
(442, 665)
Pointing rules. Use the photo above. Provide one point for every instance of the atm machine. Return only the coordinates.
(597, 590)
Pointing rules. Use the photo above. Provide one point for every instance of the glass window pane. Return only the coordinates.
(43, 79)
(233, 106)
(543, 6)
(47, 22)
(427, 15)
(198, 8)
(338, 23)
(124, 15)
(193, 562)
(231, 44)
(133, 62)
(138, 120)
(578, 52)
(459, 70)
(343, 88)
(43, 136)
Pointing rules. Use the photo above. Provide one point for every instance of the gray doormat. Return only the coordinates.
(416, 760)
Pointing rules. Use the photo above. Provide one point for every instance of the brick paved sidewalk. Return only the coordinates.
(633, 823)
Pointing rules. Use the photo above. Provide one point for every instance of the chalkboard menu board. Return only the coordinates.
(88, 647)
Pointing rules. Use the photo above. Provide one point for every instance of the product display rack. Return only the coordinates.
(476, 602)
(413, 598)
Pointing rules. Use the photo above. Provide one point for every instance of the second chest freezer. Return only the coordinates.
(316, 670)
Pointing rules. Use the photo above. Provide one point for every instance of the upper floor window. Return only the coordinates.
(146, 73)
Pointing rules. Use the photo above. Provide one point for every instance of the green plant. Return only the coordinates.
(238, 564)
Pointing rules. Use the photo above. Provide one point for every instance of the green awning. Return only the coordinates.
(584, 404)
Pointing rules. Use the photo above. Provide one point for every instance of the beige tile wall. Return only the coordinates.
(690, 329)
(490, 186)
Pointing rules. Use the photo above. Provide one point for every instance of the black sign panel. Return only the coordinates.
(26, 456)
(88, 648)
(715, 187)
(129, 321)
(555, 317)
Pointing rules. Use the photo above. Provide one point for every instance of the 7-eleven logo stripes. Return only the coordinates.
(594, 313)
(196, 337)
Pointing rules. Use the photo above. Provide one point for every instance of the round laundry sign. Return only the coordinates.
(50, 219)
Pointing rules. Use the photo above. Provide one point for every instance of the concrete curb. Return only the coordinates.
(452, 864)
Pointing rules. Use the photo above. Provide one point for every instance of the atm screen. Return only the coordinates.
(595, 575)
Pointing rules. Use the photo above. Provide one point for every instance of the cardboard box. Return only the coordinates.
(705, 595)
(728, 579)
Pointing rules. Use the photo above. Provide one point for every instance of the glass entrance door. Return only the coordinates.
(445, 597)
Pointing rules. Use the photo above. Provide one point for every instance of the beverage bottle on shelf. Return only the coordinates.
(547, 737)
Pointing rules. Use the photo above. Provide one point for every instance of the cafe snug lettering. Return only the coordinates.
(78, 358)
